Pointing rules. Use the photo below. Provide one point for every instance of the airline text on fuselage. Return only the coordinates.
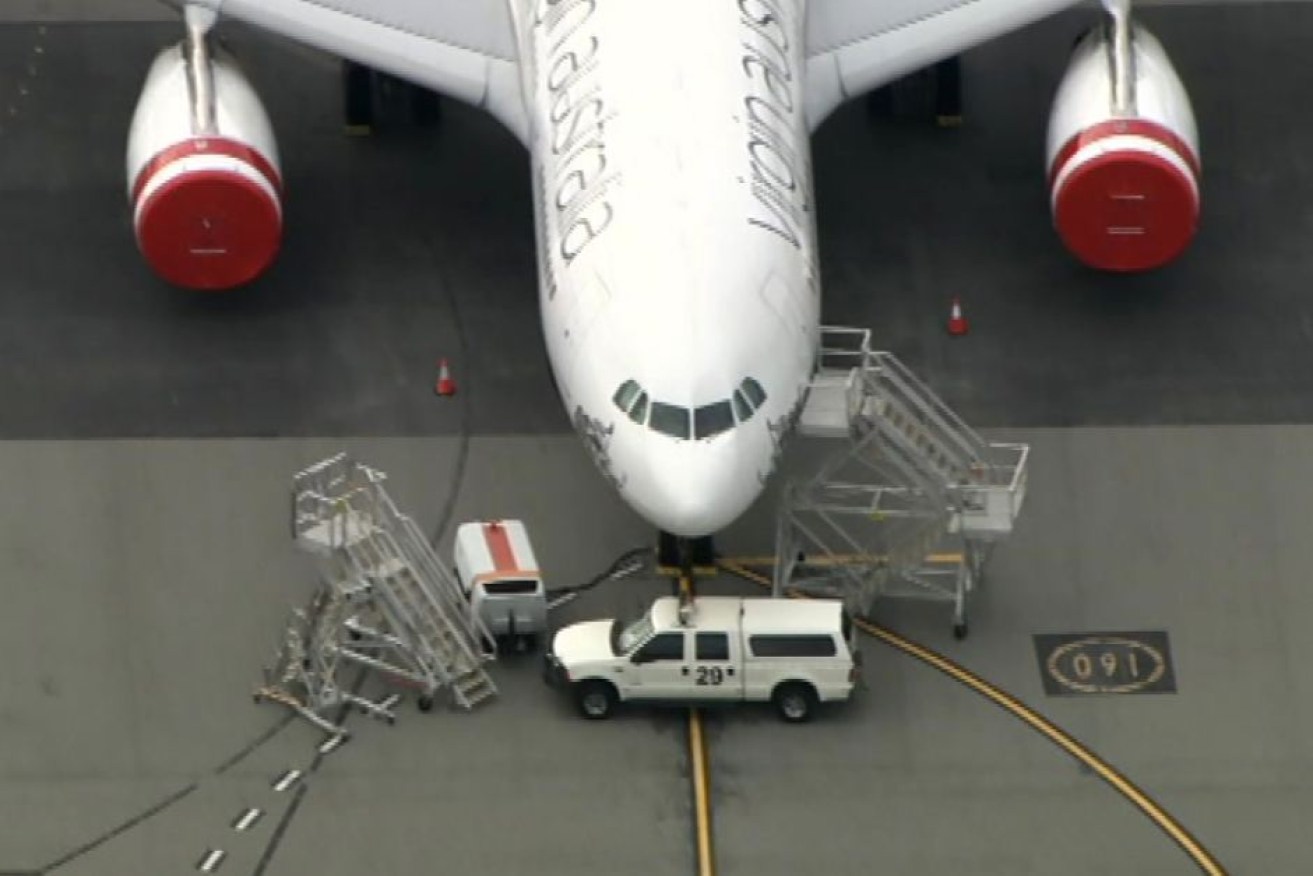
(577, 112)
(778, 181)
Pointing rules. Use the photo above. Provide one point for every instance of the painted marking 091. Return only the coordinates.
(1105, 663)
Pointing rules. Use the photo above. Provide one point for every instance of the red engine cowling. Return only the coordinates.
(1123, 186)
(207, 208)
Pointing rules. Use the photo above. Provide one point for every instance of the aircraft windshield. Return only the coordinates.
(625, 395)
(683, 423)
(670, 420)
(752, 389)
(710, 420)
(742, 409)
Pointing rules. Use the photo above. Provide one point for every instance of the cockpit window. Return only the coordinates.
(712, 419)
(679, 422)
(625, 395)
(742, 409)
(670, 420)
(638, 413)
(752, 389)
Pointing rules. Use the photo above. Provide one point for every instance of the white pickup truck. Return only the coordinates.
(793, 653)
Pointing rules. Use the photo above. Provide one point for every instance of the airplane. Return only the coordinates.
(672, 186)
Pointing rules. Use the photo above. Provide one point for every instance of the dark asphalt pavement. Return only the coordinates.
(417, 244)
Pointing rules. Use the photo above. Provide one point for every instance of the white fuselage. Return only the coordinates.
(676, 238)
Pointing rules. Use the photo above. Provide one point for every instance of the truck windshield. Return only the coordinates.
(631, 635)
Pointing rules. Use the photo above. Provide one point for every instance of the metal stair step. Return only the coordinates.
(914, 479)
(474, 688)
(369, 551)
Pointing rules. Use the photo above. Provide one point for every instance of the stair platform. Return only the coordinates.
(385, 602)
(912, 481)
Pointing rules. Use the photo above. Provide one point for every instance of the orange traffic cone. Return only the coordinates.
(957, 323)
(445, 385)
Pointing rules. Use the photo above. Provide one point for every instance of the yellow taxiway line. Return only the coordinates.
(1055, 734)
(701, 793)
(698, 767)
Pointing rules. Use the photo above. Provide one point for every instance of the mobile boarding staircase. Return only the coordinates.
(385, 602)
(912, 505)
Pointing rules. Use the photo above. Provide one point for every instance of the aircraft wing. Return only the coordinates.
(464, 49)
(854, 46)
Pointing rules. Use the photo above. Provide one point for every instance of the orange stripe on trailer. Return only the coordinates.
(499, 546)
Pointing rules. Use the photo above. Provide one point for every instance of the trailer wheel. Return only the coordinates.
(795, 701)
(596, 699)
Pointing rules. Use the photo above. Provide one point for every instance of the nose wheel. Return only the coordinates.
(680, 555)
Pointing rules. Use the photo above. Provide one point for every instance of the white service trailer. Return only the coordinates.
(499, 574)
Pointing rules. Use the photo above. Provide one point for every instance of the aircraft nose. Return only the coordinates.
(698, 493)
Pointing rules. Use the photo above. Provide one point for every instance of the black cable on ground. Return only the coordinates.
(623, 566)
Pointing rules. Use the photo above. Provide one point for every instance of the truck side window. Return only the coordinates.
(713, 646)
(666, 646)
(792, 646)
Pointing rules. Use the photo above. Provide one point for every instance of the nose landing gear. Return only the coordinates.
(679, 555)
(682, 558)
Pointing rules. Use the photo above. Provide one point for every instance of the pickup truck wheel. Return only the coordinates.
(795, 701)
(596, 699)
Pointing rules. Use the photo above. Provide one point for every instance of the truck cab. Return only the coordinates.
(795, 654)
(500, 578)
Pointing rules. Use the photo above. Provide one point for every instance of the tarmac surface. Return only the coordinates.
(149, 576)
(417, 244)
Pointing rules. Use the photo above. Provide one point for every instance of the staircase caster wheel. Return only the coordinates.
(960, 631)
(256, 698)
(425, 703)
(392, 720)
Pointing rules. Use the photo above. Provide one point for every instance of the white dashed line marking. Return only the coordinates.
(247, 818)
(287, 780)
(331, 744)
(211, 860)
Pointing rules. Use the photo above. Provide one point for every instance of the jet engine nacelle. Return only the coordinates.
(206, 204)
(1123, 183)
